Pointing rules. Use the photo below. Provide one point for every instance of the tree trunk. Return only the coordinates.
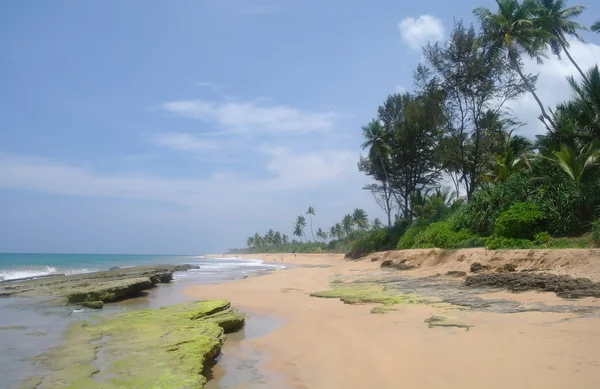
(311, 228)
(514, 62)
(564, 47)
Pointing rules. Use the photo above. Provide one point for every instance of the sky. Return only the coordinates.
(183, 127)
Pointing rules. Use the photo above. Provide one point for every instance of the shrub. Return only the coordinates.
(378, 240)
(596, 232)
(490, 201)
(409, 239)
(542, 238)
(520, 221)
(495, 242)
(442, 235)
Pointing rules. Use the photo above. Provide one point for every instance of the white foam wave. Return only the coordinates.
(24, 273)
(14, 274)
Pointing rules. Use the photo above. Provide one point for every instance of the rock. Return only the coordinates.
(114, 268)
(93, 304)
(564, 286)
(476, 267)
(186, 267)
(109, 291)
(106, 286)
(167, 348)
(398, 265)
(374, 259)
(508, 268)
(456, 273)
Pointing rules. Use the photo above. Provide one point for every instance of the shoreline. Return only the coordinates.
(530, 340)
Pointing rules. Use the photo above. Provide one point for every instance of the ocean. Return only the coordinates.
(29, 327)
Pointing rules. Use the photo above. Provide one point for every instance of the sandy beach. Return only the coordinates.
(326, 344)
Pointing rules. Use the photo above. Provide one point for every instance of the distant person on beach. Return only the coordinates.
(294, 253)
(281, 259)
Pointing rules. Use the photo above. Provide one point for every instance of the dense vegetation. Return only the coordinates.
(455, 126)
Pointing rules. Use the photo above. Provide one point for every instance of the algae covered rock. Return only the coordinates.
(166, 348)
(93, 304)
(108, 291)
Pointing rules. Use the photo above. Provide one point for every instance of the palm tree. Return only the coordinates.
(321, 234)
(377, 142)
(339, 230)
(277, 239)
(376, 224)
(285, 239)
(513, 158)
(577, 164)
(333, 232)
(360, 218)
(299, 227)
(557, 20)
(311, 212)
(587, 99)
(250, 242)
(515, 30)
(257, 240)
(347, 224)
(596, 26)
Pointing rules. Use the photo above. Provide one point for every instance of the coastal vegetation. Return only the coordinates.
(449, 166)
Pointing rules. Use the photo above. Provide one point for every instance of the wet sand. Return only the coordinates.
(325, 344)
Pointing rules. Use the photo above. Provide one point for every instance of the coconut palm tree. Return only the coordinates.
(311, 212)
(578, 164)
(514, 30)
(596, 26)
(557, 19)
(299, 227)
(333, 232)
(250, 242)
(321, 234)
(339, 230)
(376, 224)
(360, 219)
(347, 224)
(587, 99)
(377, 143)
(513, 158)
(285, 239)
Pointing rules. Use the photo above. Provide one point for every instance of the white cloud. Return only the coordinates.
(400, 89)
(211, 85)
(552, 86)
(255, 117)
(417, 32)
(183, 141)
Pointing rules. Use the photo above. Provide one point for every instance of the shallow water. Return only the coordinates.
(29, 326)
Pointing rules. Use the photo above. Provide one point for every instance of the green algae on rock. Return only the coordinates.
(369, 293)
(441, 321)
(166, 348)
(93, 304)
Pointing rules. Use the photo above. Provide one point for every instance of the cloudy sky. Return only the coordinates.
(184, 127)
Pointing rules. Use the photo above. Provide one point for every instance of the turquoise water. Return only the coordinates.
(28, 265)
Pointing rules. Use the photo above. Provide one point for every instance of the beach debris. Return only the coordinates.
(477, 267)
(441, 321)
(563, 285)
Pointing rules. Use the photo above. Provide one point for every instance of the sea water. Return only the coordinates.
(29, 326)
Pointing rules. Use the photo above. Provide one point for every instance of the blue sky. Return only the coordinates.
(184, 127)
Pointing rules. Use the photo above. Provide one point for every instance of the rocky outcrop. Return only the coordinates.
(167, 348)
(563, 285)
(104, 286)
(477, 267)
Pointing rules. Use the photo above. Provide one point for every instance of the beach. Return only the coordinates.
(525, 340)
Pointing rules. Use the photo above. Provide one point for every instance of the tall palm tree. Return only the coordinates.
(285, 239)
(321, 234)
(257, 240)
(339, 230)
(557, 19)
(377, 143)
(515, 30)
(299, 227)
(596, 26)
(347, 224)
(376, 224)
(587, 98)
(578, 164)
(360, 219)
(311, 212)
(333, 233)
(250, 242)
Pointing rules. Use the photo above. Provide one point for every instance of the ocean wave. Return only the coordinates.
(13, 274)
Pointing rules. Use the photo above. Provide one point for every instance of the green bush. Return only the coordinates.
(490, 201)
(520, 221)
(542, 238)
(596, 232)
(495, 242)
(409, 239)
(377, 240)
(442, 235)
